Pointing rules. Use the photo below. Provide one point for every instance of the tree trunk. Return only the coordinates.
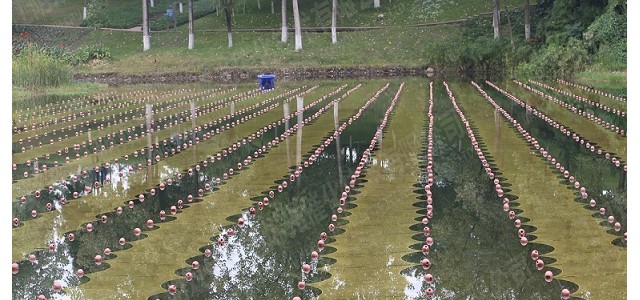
(527, 20)
(228, 11)
(259, 8)
(496, 19)
(376, 3)
(334, 15)
(513, 46)
(175, 23)
(273, 8)
(146, 44)
(191, 35)
(152, 3)
(296, 24)
(284, 22)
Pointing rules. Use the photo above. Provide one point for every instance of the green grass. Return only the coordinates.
(25, 98)
(54, 12)
(128, 13)
(612, 82)
(351, 13)
(393, 46)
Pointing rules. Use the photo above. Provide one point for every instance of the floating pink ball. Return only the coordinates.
(98, 259)
(320, 244)
(565, 294)
(428, 278)
(306, 268)
(80, 273)
(137, 231)
(57, 286)
(534, 254)
(426, 263)
(617, 226)
(301, 285)
(429, 292)
(195, 265)
(314, 255)
(611, 219)
(524, 241)
(548, 276)
(107, 251)
(71, 237)
(207, 252)
(230, 231)
(188, 276)
(539, 264)
(172, 290)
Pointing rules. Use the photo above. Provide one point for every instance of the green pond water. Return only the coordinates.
(370, 246)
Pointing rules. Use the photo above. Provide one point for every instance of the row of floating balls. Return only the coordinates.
(172, 289)
(512, 215)
(581, 99)
(580, 112)
(210, 107)
(576, 137)
(159, 107)
(306, 268)
(84, 173)
(572, 180)
(548, 276)
(78, 103)
(592, 90)
(149, 223)
(426, 263)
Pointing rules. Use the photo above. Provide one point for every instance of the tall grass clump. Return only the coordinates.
(34, 70)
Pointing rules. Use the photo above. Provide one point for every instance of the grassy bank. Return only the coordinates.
(392, 46)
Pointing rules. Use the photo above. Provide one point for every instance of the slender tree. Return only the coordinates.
(273, 8)
(334, 15)
(296, 24)
(496, 19)
(376, 3)
(527, 20)
(191, 35)
(146, 44)
(284, 22)
(259, 7)
(228, 12)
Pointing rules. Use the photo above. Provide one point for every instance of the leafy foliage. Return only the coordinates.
(34, 69)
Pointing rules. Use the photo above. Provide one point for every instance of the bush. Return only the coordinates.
(556, 61)
(35, 69)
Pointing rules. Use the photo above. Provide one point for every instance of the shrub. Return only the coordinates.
(556, 61)
(35, 69)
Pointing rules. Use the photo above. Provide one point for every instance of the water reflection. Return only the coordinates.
(607, 183)
(262, 259)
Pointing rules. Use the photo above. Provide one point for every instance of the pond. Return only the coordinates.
(402, 188)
